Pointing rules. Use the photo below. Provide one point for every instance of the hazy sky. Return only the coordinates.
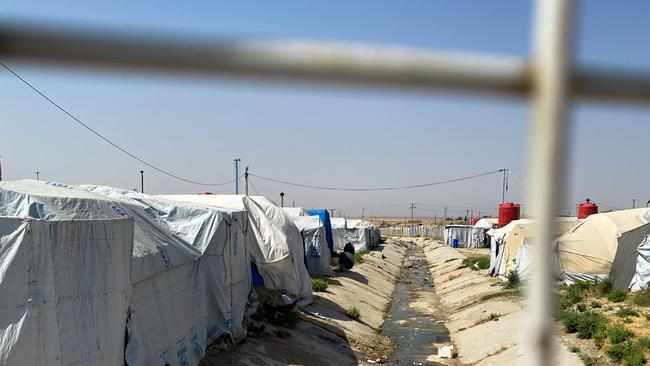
(317, 134)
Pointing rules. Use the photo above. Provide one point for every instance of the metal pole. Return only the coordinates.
(281, 199)
(37, 175)
(553, 36)
(246, 180)
(142, 181)
(237, 175)
(504, 185)
(0, 168)
(300, 61)
(633, 202)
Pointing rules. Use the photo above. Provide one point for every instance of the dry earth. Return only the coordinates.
(325, 335)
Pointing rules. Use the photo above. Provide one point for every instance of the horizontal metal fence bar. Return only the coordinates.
(306, 61)
(317, 61)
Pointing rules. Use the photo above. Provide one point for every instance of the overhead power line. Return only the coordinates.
(377, 188)
(115, 145)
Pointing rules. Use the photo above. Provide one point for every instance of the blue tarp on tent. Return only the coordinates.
(325, 218)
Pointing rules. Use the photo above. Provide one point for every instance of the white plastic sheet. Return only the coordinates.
(189, 268)
(641, 277)
(65, 289)
(317, 254)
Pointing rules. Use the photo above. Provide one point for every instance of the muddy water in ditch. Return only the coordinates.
(412, 331)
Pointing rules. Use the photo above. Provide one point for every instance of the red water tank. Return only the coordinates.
(508, 211)
(586, 209)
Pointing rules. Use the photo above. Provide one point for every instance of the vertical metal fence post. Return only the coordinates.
(551, 67)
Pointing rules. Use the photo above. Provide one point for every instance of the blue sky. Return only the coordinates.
(319, 134)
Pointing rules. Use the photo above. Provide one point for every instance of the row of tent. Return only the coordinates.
(612, 244)
(360, 233)
(104, 276)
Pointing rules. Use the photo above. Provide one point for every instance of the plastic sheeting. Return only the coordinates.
(189, 268)
(480, 239)
(339, 237)
(463, 233)
(317, 254)
(325, 218)
(275, 243)
(65, 289)
(295, 211)
(641, 277)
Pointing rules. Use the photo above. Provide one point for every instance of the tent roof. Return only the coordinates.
(295, 211)
(486, 223)
(338, 222)
(591, 246)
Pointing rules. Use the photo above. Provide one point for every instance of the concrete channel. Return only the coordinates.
(413, 330)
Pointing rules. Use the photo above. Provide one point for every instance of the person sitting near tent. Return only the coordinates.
(346, 259)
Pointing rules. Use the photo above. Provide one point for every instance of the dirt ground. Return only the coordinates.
(483, 331)
(325, 335)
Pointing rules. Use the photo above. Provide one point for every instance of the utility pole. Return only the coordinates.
(237, 160)
(142, 181)
(37, 174)
(363, 212)
(281, 199)
(0, 168)
(504, 187)
(444, 218)
(246, 179)
(293, 204)
(633, 202)
(412, 208)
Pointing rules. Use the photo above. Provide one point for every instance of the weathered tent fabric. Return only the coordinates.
(362, 234)
(604, 244)
(480, 239)
(295, 211)
(516, 246)
(497, 243)
(325, 218)
(275, 243)
(197, 300)
(65, 289)
(189, 272)
(641, 277)
(339, 227)
(461, 232)
(317, 254)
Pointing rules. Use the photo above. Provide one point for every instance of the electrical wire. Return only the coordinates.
(250, 181)
(376, 189)
(115, 145)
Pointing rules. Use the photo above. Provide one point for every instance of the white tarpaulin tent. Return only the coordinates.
(462, 233)
(275, 243)
(317, 254)
(604, 245)
(189, 271)
(362, 234)
(515, 251)
(65, 289)
(480, 239)
(641, 278)
(339, 228)
(497, 243)
(295, 211)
